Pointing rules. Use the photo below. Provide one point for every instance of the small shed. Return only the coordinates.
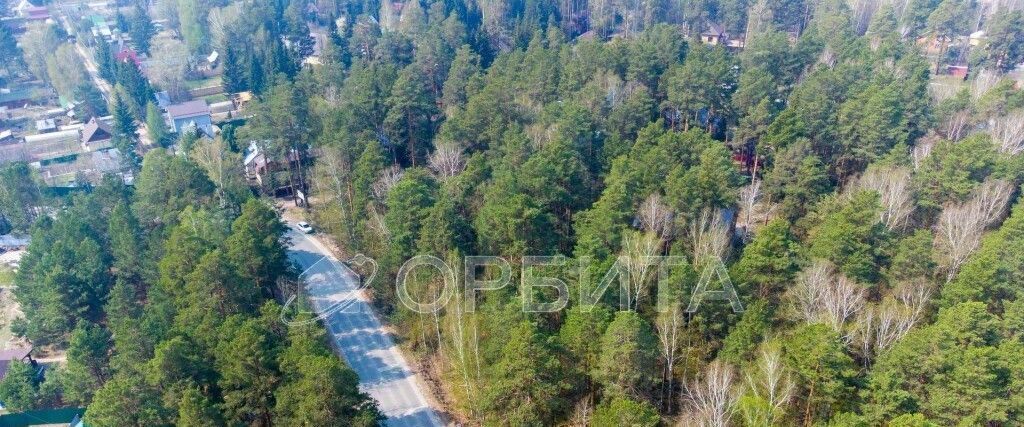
(977, 38)
(46, 126)
(714, 35)
(959, 71)
(20, 354)
(10, 242)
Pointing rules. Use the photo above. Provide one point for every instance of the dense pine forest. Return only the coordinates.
(862, 202)
(871, 237)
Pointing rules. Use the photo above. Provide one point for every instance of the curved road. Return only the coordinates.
(359, 335)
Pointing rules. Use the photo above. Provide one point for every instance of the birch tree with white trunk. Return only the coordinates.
(709, 238)
(638, 257)
(956, 126)
(821, 295)
(893, 185)
(669, 326)
(1008, 132)
(446, 161)
(960, 225)
(655, 216)
(881, 326)
(773, 385)
(983, 83)
(387, 180)
(712, 401)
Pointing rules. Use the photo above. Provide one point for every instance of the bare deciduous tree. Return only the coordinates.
(582, 412)
(638, 252)
(446, 161)
(959, 229)
(709, 237)
(956, 126)
(893, 321)
(332, 183)
(828, 58)
(922, 148)
(386, 181)
(823, 296)
(992, 197)
(957, 235)
(773, 385)
(222, 166)
(984, 82)
(759, 19)
(668, 325)
(220, 20)
(896, 197)
(862, 334)
(171, 61)
(463, 346)
(712, 401)
(749, 198)
(914, 295)
(881, 326)
(377, 222)
(655, 216)
(1008, 132)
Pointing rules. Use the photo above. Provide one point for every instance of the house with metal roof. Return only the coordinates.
(97, 135)
(190, 115)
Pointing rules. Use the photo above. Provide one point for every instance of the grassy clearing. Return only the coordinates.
(195, 84)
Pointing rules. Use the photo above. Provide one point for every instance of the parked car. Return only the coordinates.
(305, 227)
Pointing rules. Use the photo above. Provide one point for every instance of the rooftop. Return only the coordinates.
(188, 109)
(45, 125)
(6, 356)
(96, 130)
(714, 29)
(8, 241)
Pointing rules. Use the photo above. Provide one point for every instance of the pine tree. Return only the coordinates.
(155, 125)
(255, 76)
(126, 244)
(18, 388)
(254, 246)
(628, 356)
(525, 384)
(622, 411)
(197, 410)
(19, 196)
(410, 115)
(135, 87)
(233, 77)
(245, 359)
(86, 368)
(92, 102)
(126, 400)
(105, 60)
(125, 135)
(141, 28)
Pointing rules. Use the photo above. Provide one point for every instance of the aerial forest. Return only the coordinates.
(815, 156)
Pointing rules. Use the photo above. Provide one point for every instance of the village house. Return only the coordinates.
(714, 35)
(30, 12)
(19, 98)
(96, 135)
(190, 115)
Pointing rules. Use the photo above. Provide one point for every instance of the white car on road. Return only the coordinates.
(304, 227)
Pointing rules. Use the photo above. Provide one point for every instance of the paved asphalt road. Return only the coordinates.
(359, 334)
